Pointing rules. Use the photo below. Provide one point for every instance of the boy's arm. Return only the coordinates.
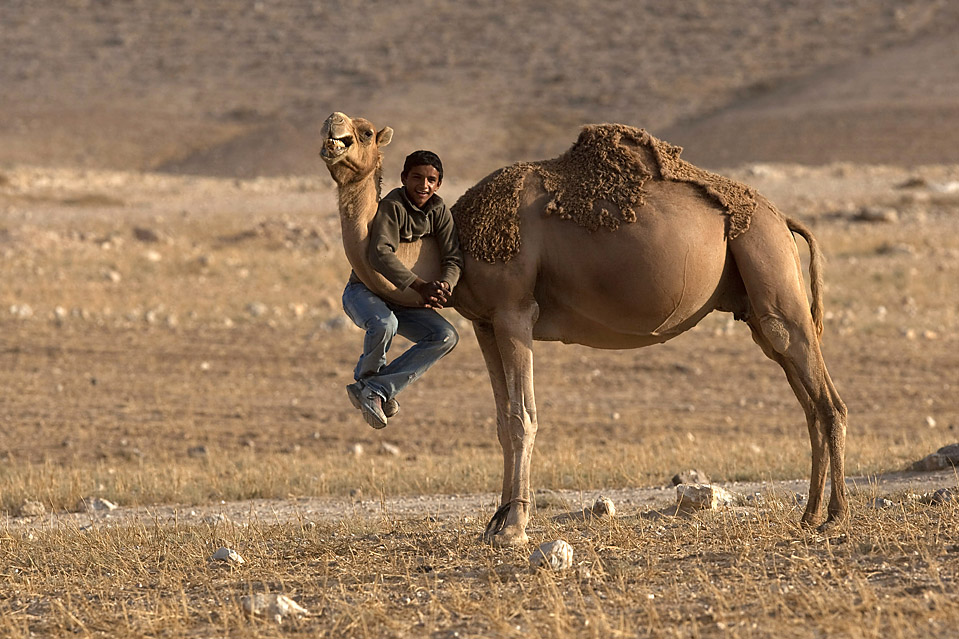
(384, 238)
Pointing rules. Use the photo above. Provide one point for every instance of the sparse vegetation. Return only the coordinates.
(241, 398)
(175, 344)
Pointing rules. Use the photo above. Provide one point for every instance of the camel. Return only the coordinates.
(638, 264)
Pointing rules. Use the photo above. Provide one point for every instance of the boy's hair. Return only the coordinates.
(423, 158)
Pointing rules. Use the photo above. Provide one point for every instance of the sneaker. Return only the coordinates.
(372, 406)
(353, 391)
(391, 407)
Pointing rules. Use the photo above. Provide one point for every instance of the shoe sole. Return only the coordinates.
(373, 420)
(354, 394)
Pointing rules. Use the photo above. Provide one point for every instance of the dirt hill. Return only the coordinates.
(238, 88)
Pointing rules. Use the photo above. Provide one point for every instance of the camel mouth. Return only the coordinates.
(335, 147)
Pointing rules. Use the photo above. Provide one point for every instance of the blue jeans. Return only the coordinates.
(432, 337)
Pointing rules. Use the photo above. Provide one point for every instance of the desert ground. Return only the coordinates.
(173, 343)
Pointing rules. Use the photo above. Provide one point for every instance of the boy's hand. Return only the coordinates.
(435, 294)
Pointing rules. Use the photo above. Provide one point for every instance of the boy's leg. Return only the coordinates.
(371, 313)
(433, 338)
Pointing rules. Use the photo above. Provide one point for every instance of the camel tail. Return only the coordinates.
(815, 271)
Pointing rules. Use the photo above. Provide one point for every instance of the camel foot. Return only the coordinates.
(834, 524)
(509, 537)
(496, 523)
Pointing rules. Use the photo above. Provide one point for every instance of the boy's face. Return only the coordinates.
(421, 183)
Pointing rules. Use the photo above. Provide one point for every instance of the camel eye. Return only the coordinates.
(368, 133)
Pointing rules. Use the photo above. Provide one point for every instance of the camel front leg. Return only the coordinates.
(514, 340)
(497, 377)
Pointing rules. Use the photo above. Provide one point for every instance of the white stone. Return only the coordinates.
(690, 497)
(100, 504)
(604, 507)
(389, 449)
(257, 309)
(278, 607)
(554, 555)
(228, 555)
(690, 476)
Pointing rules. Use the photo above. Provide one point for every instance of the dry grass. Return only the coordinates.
(741, 574)
(224, 338)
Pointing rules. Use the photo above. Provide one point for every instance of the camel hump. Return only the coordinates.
(487, 215)
(599, 183)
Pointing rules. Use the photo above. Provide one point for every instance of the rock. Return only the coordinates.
(915, 182)
(553, 555)
(31, 508)
(603, 507)
(880, 503)
(197, 451)
(356, 449)
(228, 555)
(143, 234)
(21, 311)
(257, 309)
(277, 607)
(336, 324)
(950, 452)
(895, 248)
(97, 504)
(389, 449)
(942, 496)
(931, 462)
(692, 497)
(876, 214)
(690, 476)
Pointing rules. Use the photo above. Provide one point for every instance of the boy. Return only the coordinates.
(407, 213)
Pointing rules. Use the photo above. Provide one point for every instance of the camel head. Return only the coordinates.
(351, 147)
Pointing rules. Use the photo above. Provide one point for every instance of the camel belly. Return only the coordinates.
(422, 257)
(642, 284)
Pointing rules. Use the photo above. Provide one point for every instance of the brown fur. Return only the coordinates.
(598, 183)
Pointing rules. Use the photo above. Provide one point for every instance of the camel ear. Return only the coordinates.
(384, 136)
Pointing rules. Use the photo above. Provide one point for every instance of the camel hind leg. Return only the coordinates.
(768, 262)
(817, 435)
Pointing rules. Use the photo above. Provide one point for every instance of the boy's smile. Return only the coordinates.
(421, 182)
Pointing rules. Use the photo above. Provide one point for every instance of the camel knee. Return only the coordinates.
(522, 422)
(776, 333)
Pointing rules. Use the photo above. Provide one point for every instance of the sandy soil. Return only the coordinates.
(141, 252)
(239, 88)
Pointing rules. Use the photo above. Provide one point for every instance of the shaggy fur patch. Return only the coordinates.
(597, 183)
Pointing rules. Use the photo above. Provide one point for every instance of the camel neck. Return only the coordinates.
(358, 200)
